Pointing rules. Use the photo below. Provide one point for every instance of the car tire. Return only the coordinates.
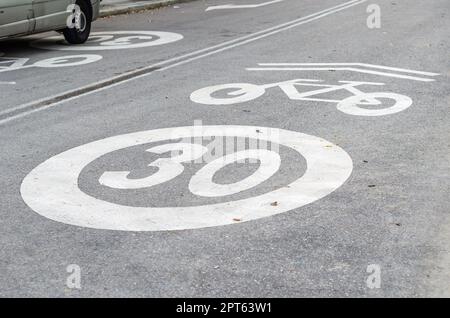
(80, 35)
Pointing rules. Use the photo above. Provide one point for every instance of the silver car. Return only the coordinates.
(71, 17)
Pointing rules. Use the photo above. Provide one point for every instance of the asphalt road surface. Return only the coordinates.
(349, 197)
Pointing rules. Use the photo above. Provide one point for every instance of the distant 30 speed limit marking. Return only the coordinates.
(110, 40)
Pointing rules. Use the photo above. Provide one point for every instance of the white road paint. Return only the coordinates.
(202, 183)
(107, 41)
(168, 168)
(382, 67)
(237, 93)
(66, 61)
(11, 62)
(52, 190)
(17, 64)
(242, 6)
(352, 67)
(354, 105)
(173, 62)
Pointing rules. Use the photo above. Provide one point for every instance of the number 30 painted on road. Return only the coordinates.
(52, 188)
(201, 183)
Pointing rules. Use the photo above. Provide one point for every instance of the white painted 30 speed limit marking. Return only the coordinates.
(52, 190)
(8, 64)
(110, 40)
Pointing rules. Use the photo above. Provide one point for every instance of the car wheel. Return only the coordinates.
(80, 29)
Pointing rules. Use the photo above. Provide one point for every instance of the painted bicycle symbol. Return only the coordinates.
(359, 103)
(244, 92)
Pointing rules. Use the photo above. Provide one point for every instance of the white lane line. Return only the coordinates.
(381, 67)
(242, 6)
(351, 69)
(48, 102)
(278, 30)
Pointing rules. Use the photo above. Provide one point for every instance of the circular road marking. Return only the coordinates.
(52, 190)
(108, 41)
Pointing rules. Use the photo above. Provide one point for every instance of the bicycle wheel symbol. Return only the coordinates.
(236, 93)
(351, 105)
(52, 190)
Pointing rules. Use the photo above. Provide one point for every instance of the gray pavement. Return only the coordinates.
(392, 212)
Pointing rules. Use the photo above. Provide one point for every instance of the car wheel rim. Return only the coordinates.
(81, 22)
